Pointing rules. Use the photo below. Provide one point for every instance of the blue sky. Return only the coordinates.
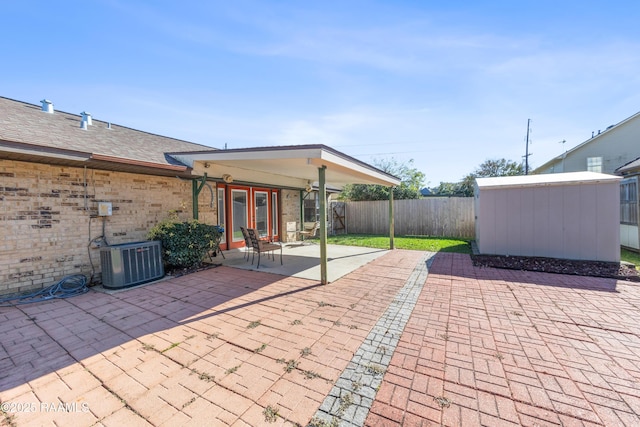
(447, 84)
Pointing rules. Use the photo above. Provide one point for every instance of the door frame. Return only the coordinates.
(250, 213)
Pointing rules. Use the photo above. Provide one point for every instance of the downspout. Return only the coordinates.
(196, 187)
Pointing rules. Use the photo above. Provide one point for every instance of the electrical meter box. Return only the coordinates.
(104, 209)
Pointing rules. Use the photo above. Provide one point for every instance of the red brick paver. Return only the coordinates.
(497, 347)
(232, 347)
(218, 347)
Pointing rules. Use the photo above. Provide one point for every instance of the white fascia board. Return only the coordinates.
(332, 160)
(568, 178)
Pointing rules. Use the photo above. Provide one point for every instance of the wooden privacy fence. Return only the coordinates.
(433, 216)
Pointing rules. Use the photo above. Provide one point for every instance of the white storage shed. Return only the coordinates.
(563, 215)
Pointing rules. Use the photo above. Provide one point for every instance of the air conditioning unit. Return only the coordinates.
(131, 264)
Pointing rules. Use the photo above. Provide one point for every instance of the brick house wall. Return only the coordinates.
(290, 212)
(48, 215)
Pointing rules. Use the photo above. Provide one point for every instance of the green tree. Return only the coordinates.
(491, 167)
(409, 188)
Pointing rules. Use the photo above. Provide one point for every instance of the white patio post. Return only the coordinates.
(322, 195)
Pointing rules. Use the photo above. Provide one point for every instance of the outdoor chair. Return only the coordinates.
(247, 241)
(311, 232)
(262, 246)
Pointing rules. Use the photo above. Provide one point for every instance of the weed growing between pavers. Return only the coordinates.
(148, 347)
(204, 376)
(232, 370)
(325, 304)
(193, 399)
(175, 344)
(270, 414)
(291, 365)
(213, 336)
(296, 322)
(253, 324)
(375, 370)
(305, 351)
(260, 349)
(356, 385)
(310, 375)
(319, 422)
(443, 402)
(6, 418)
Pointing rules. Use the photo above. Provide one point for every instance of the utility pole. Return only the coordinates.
(526, 155)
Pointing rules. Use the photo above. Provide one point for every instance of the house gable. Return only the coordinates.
(616, 146)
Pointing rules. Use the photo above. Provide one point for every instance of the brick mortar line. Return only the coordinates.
(351, 397)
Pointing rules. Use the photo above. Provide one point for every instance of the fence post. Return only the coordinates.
(391, 223)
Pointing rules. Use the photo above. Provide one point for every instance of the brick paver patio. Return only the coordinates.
(499, 347)
(233, 347)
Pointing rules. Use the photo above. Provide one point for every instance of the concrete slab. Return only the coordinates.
(303, 260)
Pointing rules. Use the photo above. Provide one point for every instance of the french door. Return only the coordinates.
(251, 207)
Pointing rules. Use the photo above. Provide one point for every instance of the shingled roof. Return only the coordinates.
(28, 133)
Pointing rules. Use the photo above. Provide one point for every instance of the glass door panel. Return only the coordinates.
(239, 209)
(261, 207)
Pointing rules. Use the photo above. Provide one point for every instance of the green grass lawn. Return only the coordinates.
(632, 257)
(431, 244)
(418, 243)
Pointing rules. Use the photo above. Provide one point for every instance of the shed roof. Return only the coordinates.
(632, 166)
(551, 179)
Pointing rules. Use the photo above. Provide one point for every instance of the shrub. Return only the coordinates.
(185, 243)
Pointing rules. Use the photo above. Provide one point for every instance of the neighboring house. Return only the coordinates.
(607, 152)
(604, 152)
(425, 192)
(56, 167)
(629, 208)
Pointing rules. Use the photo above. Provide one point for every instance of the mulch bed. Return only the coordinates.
(612, 270)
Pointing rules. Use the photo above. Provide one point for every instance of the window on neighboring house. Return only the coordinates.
(629, 201)
(594, 164)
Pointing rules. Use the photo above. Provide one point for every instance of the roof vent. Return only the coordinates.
(109, 125)
(83, 125)
(47, 106)
(86, 117)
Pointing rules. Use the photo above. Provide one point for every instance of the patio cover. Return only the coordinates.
(296, 166)
(293, 166)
